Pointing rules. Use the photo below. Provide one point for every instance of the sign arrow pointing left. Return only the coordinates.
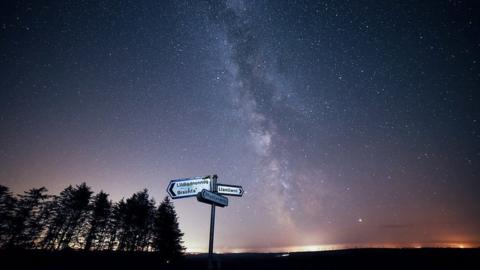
(188, 187)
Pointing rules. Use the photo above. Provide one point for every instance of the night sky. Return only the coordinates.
(348, 123)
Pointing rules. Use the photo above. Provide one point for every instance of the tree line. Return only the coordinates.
(79, 219)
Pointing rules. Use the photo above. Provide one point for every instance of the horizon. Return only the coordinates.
(320, 248)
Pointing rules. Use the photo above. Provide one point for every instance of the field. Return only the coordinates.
(341, 259)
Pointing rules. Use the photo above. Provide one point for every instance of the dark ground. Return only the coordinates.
(341, 259)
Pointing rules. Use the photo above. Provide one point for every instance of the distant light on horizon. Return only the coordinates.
(313, 248)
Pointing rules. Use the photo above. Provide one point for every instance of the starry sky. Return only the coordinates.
(348, 123)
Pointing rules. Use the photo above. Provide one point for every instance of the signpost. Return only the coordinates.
(208, 191)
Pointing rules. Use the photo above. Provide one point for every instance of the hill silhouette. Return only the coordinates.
(437, 258)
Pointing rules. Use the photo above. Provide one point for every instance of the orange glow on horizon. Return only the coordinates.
(327, 247)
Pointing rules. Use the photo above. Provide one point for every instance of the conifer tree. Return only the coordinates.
(7, 213)
(68, 215)
(167, 237)
(28, 219)
(98, 221)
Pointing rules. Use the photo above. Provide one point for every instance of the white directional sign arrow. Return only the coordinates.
(188, 187)
(231, 190)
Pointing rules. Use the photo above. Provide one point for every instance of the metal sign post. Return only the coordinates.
(212, 226)
(207, 191)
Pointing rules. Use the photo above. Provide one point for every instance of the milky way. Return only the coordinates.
(348, 124)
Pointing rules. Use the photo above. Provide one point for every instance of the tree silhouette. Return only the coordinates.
(77, 210)
(136, 222)
(28, 220)
(167, 235)
(7, 214)
(98, 221)
(54, 221)
(73, 219)
(115, 227)
(69, 213)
